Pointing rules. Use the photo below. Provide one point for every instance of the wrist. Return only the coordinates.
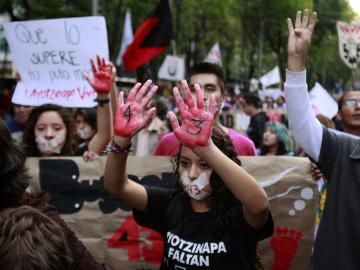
(122, 142)
(296, 64)
(102, 95)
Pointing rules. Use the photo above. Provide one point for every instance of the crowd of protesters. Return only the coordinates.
(205, 135)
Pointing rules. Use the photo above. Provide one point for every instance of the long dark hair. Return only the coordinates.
(13, 177)
(29, 136)
(222, 203)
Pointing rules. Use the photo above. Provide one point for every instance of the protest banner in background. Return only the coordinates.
(106, 226)
(322, 102)
(51, 56)
(349, 43)
(172, 69)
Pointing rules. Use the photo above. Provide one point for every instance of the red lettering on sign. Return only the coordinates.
(127, 236)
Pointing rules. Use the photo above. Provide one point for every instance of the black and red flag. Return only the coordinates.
(152, 37)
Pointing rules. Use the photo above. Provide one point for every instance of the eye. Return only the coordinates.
(351, 103)
(204, 166)
(184, 164)
(210, 88)
(192, 88)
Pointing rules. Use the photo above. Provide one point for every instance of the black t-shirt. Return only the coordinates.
(256, 128)
(189, 240)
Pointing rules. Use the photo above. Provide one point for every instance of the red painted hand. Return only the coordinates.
(197, 122)
(132, 116)
(103, 76)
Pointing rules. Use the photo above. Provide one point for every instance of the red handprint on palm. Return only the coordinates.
(103, 76)
(133, 115)
(197, 123)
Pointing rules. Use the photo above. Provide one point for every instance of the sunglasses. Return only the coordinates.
(352, 103)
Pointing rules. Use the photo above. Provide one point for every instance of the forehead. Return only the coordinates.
(352, 95)
(203, 79)
(188, 154)
(50, 117)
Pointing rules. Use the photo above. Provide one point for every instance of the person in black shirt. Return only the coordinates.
(218, 212)
(252, 107)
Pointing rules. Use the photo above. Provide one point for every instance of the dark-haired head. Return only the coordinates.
(29, 139)
(221, 201)
(89, 115)
(209, 68)
(29, 240)
(13, 177)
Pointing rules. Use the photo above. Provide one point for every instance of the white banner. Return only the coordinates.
(127, 38)
(51, 56)
(349, 43)
(322, 102)
(214, 55)
(172, 69)
(271, 77)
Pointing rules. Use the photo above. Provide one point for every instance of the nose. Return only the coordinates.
(193, 172)
(49, 133)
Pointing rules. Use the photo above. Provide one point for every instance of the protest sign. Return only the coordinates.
(106, 226)
(51, 56)
(349, 43)
(172, 69)
(322, 102)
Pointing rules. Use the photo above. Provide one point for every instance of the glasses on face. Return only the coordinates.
(352, 103)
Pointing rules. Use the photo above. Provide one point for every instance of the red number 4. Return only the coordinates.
(127, 236)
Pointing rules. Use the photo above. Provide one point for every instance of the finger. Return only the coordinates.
(298, 20)
(86, 76)
(188, 97)
(212, 104)
(199, 97)
(133, 92)
(312, 22)
(98, 59)
(173, 121)
(305, 19)
(103, 62)
(93, 68)
(179, 102)
(140, 94)
(148, 117)
(121, 99)
(290, 26)
(145, 101)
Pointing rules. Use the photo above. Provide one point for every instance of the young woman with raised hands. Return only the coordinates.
(217, 213)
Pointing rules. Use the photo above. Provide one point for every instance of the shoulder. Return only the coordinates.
(242, 144)
(169, 145)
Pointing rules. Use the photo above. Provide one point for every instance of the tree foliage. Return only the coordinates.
(252, 34)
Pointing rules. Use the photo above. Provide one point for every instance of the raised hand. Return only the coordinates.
(300, 39)
(197, 122)
(103, 76)
(133, 115)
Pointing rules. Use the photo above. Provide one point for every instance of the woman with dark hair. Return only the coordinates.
(276, 140)
(217, 213)
(51, 129)
(13, 183)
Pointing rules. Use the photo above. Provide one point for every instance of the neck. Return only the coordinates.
(351, 130)
(199, 206)
(271, 150)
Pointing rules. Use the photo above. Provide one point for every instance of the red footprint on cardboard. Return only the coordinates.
(284, 245)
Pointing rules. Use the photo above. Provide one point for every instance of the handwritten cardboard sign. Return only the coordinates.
(51, 56)
(106, 226)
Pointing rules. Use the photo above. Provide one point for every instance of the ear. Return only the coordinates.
(339, 115)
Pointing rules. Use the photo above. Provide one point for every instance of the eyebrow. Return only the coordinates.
(205, 86)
